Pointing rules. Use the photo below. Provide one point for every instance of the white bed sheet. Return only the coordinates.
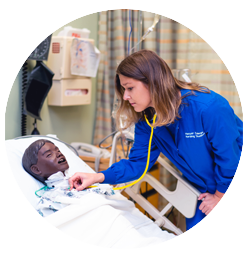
(108, 221)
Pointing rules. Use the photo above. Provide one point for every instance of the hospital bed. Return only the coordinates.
(112, 221)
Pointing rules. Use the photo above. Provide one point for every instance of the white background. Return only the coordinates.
(224, 25)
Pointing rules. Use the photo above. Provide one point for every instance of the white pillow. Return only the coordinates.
(28, 184)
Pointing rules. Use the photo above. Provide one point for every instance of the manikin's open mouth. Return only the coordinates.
(62, 160)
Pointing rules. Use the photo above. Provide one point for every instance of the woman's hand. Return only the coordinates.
(209, 201)
(81, 180)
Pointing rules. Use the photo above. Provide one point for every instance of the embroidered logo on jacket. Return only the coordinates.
(194, 134)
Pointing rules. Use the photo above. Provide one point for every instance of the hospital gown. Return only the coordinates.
(56, 195)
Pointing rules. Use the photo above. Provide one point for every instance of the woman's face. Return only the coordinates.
(136, 93)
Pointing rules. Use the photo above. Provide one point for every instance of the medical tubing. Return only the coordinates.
(45, 188)
(24, 85)
(150, 29)
(129, 38)
(104, 139)
(148, 159)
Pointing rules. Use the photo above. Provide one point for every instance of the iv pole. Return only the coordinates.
(139, 26)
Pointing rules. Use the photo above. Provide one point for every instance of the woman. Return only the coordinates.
(195, 128)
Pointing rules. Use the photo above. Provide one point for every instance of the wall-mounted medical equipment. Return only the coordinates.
(74, 59)
(37, 86)
(88, 150)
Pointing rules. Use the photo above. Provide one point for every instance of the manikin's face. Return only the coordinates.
(50, 161)
(136, 93)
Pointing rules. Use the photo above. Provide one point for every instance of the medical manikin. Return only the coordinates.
(44, 161)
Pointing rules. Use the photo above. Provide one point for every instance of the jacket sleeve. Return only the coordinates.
(225, 133)
(132, 169)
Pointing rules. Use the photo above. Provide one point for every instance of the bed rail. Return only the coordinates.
(183, 198)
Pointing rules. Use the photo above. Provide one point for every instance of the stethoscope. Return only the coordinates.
(148, 158)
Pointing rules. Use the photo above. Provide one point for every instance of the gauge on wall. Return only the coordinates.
(41, 52)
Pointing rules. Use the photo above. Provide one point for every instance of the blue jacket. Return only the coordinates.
(205, 144)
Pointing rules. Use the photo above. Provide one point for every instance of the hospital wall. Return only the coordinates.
(70, 123)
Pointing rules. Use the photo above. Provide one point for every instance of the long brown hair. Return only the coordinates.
(147, 67)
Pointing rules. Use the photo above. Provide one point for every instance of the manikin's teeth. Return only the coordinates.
(61, 160)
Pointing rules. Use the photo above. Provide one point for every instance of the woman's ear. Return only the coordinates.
(35, 169)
